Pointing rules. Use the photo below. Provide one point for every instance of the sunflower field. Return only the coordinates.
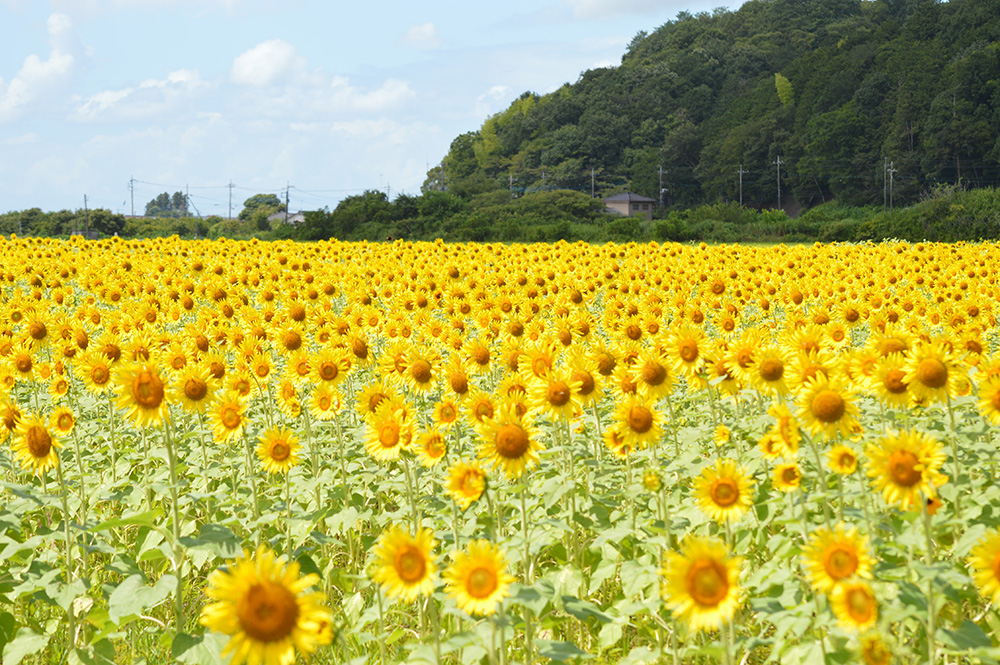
(264, 453)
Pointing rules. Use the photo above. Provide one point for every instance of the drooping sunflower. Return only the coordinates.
(985, 563)
(35, 447)
(479, 406)
(372, 396)
(142, 393)
(404, 565)
(786, 427)
(278, 450)
(266, 608)
(724, 491)
(466, 483)
(477, 578)
(874, 650)
(854, 604)
(836, 555)
(827, 407)
(903, 466)
(700, 584)
(509, 442)
(226, 416)
(889, 381)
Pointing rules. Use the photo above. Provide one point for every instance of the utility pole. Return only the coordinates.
(230, 185)
(131, 189)
(892, 172)
(86, 213)
(740, 174)
(288, 187)
(591, 183)
(187, 199)
(510, 184)
(778, 163)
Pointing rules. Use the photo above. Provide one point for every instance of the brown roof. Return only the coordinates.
(628, 197)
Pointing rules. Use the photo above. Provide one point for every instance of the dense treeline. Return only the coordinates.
(835, 88)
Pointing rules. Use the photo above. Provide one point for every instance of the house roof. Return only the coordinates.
(628, 197)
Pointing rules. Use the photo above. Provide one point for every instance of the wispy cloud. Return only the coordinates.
(38, 78)
(150, 98)
(423, 37)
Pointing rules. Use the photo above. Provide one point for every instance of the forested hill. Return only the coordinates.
(835, 88)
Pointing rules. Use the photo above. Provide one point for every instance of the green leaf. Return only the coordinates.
(968, 636)
(133, 596)
(102, 653)
(217, 539)
(26, 642)
(584, 609)
(203, 650)
(560, 651)
(147, 518)
(968, 540)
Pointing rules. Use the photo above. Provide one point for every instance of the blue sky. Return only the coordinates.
(331, 98)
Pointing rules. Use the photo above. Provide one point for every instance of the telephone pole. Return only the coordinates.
(661, 185)
(230, 185)
(740, 174)
(131, 189)
(778, 162)
(591, 183)
(86, 213)
(892, 172)
(287, 187)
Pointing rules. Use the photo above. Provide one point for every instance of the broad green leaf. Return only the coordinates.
(25, 643)
(584, 609)
(133, 595)
(202, 650)
(560, 651)
(148, 518)
(217, 539)
(968, 636)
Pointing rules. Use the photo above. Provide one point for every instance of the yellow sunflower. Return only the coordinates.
(639, 422)
(985, 562)
(196, 387)
(430, 448)
(874, 650)
(325, 402)
(509, 442)
(787, 477)
(700, 584)
(889, 381)
(931, 372)
(854, 605)
(278, 450)
(723, 491)
(142, 393)
(836, 555)
(466, 483)
(768, 372)
(989, 399)
(555, 395)
(477, 578)
(905, 465)
(404, 565)
(389, 433)
(227, 417)
(62, 420)
(35, 447)
(827, 407)
(842, 459)
(267, 610)
(786, 427)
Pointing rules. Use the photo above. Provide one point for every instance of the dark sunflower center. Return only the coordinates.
(420, 370)
(654, 373)
(267, 612)
(840, 562)
(147, 390)
(481, 582)
(894, 381)
(195, 389)
(860, 605)
(725, 492)
(902, 468)
(640, 419)
(328, 370)
(771, 369)
(707, 583)
(39, 442)
(932, 373)
(828, 406)
(558, 393)
(280, 451)
(688, 350)
(410, 564)
(511, 441)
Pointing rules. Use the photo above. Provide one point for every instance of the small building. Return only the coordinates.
(629, 204)
(290, 218)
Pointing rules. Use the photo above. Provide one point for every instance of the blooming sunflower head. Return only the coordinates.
(142, 393)
(477, 578)
(509, 441)
(700, 583)
(266, 608)
(403, 563)
(35, 447)
(985, 563)
(724, 491)
(906, 465)
(835, 555)
(278, 450)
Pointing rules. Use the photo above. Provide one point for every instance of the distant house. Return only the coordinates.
(629, 204)
(296, 218)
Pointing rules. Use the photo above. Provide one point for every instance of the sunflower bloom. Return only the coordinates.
(638, 421)
(142, 393)
(278, 450)
(854, 605)
(905, 465)
(827, 407)
(227, 417)
(404, 565)
(787, 477)
(466, 483)
(836, 555)
(989, 399)
(35, 447)
(700, 584)
(724, 491)
(477, 579)
(985, 562)
(510, 442)
(264, 605)
(932, 372)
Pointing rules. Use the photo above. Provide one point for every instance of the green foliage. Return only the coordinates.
(784, 87)
(266, 204)
(166, 205)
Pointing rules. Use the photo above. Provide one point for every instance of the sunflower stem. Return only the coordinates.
(929, 559)
(176, 529)
(381, 626)
(253, 477)
(64, 499)
(957, 467)
(288, 513)
(528, 628)
(822, 479)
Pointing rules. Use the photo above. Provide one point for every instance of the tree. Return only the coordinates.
(268, 203)
(165, 205)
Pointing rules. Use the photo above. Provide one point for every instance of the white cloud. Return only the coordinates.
(267, 63)
(423, 37)
(612, 8)
(392, 93)
(38, 78)
(150, 98)
(24, 139)
(493, 100)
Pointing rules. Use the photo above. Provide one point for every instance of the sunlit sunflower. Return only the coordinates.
(905, 465)
(826, 406)
(480, 406)
(555, 395)
(836, 555)
(325, 402)
(654, 375)
(403, 564)
(989, 399)
(266, 608)
(278, 450)
(226, 416)
(466, 483)
(509, 442)
(854, 605)
(477, 578)
(889, 381)
(196, 388)
(721, 435)
(984, 560)
(700, 584)
(445, 414)
(724, 491)
(931, 372)
(142, 393)
(35, 447)
(787, 477)
(329, 366)
(842, 459)
(372, 396)
(786, 427)
(62, 420)
(388, 434)
(638, 422)
(430, 447)
(874, 650)
(771, 446)
(768, 370)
